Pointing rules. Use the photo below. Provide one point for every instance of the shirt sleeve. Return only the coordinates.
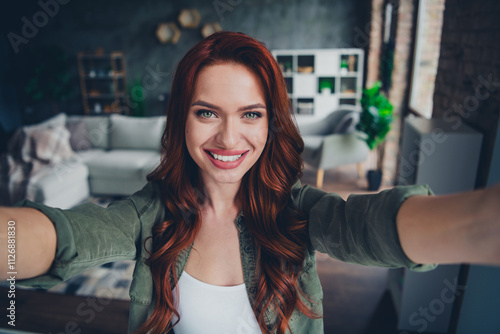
(361, 230)
(90, 235)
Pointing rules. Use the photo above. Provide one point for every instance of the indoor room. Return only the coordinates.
(363, 103)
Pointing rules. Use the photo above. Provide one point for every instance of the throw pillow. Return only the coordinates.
(97, 129)
(28, 150)
(79, 138)
(50, 145)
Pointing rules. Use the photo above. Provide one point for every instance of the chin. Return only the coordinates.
(225, 176)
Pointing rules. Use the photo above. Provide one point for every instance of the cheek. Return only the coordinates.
(263, 137)
(198, 134)
(193, 130)
(190, 135)
(259, 137)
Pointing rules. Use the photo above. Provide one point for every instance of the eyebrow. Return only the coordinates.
(211, 106)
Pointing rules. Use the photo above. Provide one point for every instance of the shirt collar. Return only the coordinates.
(240, 222)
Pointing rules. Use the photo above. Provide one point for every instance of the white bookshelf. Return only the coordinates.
(307, 70)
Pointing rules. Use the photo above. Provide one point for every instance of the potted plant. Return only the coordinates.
(375, 122)
(136, 101)
(325, 86)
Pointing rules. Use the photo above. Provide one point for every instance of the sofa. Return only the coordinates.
(64, 160)
(333, 141)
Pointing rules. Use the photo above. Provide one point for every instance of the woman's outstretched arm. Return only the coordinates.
(458, 228)
(35, 240)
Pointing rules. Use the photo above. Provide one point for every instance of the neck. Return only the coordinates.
(220, 198)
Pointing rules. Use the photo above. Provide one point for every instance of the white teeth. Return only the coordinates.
(226, 158)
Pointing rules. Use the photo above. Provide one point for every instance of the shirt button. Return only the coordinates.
(248, 249)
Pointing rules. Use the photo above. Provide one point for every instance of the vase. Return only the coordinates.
(374, 178)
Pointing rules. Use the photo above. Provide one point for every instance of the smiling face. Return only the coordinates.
(227, 122)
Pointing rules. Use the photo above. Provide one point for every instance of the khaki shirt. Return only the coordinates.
(360, 230)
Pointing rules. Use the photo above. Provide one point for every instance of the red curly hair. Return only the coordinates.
(280, 235)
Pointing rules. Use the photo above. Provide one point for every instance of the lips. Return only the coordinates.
(226, 159)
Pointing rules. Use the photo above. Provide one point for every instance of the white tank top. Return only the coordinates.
(212, 309)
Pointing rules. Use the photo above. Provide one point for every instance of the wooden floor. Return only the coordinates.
(42, 312)
(355, 298)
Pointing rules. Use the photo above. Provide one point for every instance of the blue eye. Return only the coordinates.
(252, 115)
(205, 113)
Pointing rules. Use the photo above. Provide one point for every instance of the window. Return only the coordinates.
(426, 55)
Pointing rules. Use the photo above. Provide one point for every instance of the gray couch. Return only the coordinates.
(333, 141)
(98, 155)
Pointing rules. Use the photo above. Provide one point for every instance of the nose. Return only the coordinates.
(229, 133)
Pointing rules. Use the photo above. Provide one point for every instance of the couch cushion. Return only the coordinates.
(97, 129)
(342, 120)
(313, 142)
(79, 139)
(94, 153)
(136, 132)
(348, 123)
(52, 181)
(123, 164)
(319, 128)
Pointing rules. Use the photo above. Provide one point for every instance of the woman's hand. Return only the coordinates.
(454, 228)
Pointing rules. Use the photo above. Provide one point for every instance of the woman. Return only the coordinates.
(223, 235)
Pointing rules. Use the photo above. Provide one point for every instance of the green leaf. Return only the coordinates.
(376, 115)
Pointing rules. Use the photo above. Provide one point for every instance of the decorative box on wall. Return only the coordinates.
(319, 80)
(103, 82)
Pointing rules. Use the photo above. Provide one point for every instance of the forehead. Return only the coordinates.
(228, 83)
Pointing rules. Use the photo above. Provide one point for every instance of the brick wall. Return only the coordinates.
(376, 31)
(468, 80)
(398, 92)
(402, 56)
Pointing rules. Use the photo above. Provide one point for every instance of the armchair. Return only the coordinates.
(333, 141)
